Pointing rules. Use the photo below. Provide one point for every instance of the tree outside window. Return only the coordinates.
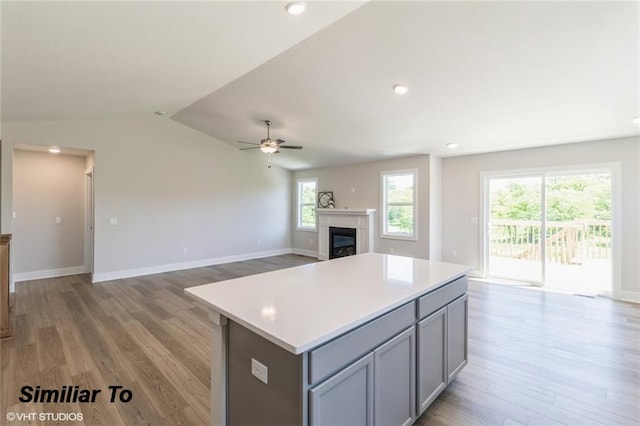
(399, 204)
(307, 190)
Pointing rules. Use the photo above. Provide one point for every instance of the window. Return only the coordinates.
(399, 204)
(307, 204)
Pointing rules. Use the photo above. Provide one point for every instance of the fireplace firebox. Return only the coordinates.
(342, 242)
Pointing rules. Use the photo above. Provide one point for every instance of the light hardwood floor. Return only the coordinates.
(534, 357)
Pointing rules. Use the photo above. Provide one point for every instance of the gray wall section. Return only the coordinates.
(171, 188)
(6, 169)
(47, 186)
(358, 186)
(251, 401)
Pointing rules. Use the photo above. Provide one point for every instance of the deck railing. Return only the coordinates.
(566, 242)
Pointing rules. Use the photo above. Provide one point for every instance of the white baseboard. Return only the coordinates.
(629, 296)
(158, 269)
(304, 252)
(48, 273)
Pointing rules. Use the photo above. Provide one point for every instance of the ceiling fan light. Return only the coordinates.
(268, 149)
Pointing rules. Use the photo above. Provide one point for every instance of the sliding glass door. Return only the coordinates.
(551, 229)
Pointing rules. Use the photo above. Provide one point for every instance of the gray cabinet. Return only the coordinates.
(442, 349)
(346, 398)
(384, 379)
(432, 357)
(457, 332)
(394, 380)
(397, 380)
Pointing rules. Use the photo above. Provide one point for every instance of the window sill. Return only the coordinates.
(307, 229)
(399, 237)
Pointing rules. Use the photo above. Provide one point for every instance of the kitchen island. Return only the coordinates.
(366, 339)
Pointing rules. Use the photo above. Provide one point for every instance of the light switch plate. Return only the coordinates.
(260, 371)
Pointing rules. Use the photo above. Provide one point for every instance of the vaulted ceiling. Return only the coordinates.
(485, 75)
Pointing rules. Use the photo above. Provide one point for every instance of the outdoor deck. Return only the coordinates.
(578, 254)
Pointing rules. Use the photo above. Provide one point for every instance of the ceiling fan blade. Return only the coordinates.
(291, 147)
(248, 143)
(279, 141)
(254, 147)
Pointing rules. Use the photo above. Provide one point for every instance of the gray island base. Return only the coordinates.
(384, 368)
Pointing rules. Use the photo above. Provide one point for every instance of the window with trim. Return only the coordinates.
(307, 190)
(399, 204)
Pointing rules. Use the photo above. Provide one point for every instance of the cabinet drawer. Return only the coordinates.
(341, 351)
(435, 300)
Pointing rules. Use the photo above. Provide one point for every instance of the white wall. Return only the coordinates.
(47, 186)
(435, 210)
(171, 187)
(364, 179)
(461, 196)
(6, 169)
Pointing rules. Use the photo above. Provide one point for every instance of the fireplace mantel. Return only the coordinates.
(359, 219)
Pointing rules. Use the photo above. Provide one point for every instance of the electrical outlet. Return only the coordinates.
(113, 221)
(58, 220)
(454, 254)
(260, 371)
(185, 250)
(259, 243)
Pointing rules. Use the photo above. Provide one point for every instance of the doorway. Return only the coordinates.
(89, 221)
(551, 229)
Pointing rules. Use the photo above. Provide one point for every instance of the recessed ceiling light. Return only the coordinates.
(159, 113)
(636, 120)
(400, 89)
(54, 150)
(452, 145)
(295, 8)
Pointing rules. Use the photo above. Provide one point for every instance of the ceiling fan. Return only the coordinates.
(268, 145)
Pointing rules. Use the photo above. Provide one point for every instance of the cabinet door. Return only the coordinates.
(457, 336)
(346, 398)
(432, 357)
(395, 380)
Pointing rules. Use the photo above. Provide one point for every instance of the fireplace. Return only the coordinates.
(358, 223)
(342, 242)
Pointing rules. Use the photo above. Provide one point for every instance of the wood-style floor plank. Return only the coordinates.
(535, 358)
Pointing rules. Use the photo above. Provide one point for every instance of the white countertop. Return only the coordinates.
(300, 308)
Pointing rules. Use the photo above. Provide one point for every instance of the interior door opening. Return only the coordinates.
(89, 222)
(552, 229)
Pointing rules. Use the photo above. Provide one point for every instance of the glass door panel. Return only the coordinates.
(515, 228)
(578, 232)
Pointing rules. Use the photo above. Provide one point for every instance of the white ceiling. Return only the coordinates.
(487, 75)
(101, 60)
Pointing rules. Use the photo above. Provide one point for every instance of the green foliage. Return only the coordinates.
(400, 219)
(308, 216)
(569, 198)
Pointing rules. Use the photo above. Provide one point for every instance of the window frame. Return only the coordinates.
(384, 233)
(300, 205)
